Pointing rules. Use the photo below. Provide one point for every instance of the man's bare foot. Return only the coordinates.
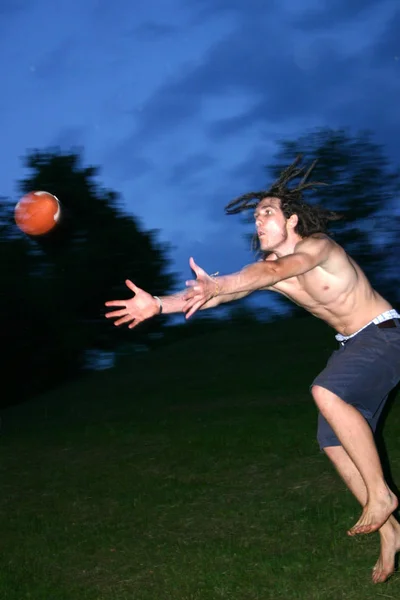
(375, 514)
(390, 546)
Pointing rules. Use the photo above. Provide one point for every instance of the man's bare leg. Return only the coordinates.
(389, 532)
(356, 437)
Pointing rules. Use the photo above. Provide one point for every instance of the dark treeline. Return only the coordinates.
(54, 286)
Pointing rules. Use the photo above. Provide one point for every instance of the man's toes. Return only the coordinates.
(380, 576)
(353, 530)
(361, 529)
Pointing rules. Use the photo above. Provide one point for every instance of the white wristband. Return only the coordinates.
(159, 302)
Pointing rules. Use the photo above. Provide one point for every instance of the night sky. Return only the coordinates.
(181, 104)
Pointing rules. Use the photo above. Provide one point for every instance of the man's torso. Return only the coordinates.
(336, 291)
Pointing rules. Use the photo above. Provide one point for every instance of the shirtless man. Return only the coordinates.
(304, 264)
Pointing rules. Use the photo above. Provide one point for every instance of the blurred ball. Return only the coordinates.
(37, 213)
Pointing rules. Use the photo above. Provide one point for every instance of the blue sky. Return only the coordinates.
(181, 104)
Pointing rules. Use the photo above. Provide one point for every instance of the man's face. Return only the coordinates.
(270, 224)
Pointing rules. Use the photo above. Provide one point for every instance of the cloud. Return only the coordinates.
(387, 48)
(11, 11)
(212, 124)
(304, 82)
(209, 8)
(129, 164)
(150, 30)
(186, 171)
(278, 85)
(112, 12)
(11, 7)
(70, 137)
(337, 12)
(57, 63)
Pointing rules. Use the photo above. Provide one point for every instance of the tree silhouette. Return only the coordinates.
(57, 284)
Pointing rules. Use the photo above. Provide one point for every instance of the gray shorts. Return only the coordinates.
(362, 372)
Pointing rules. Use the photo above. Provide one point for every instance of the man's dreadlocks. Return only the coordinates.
(312, 218)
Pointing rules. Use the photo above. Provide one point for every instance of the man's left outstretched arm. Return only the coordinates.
(260, 275)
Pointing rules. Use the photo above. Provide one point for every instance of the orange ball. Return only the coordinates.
(37, 213)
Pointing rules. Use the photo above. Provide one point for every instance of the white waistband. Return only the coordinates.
(385, 316)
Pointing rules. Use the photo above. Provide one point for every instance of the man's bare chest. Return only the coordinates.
(316, 287)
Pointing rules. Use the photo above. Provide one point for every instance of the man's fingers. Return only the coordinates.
(198, 270)
(193, 295)
(115, 313)
(125, 319)
(115, 303)
(192, 264)
(190, 292)
(191, 302)
(132, 286)
(188, 303)
(194, 309)
(193, 291)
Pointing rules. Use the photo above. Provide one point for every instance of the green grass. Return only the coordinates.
(191, 474)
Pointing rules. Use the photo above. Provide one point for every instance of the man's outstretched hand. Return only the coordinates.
(200, 290)
(133, 310)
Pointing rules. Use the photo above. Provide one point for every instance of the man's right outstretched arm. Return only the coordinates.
(142, 306)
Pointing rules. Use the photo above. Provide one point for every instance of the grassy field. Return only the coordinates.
(189, 474)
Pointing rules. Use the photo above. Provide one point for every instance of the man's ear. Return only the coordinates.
(292, 221)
